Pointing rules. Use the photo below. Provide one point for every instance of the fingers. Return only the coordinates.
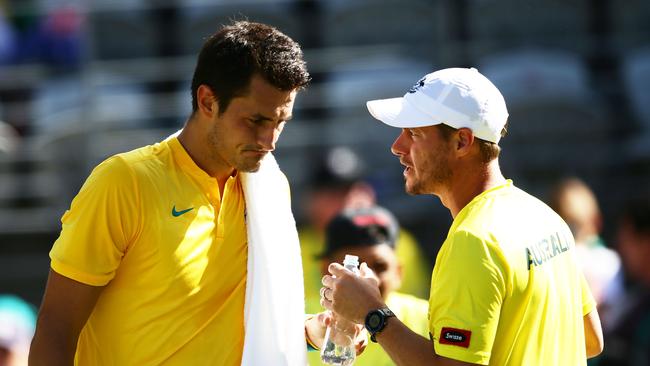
(337, 269)
(324, 318)
(361, 341)
(326, 293)
(366, 272)
(327, 281)
(361, 346)
(327, 304)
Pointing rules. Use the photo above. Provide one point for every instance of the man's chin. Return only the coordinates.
(249, 167)
(413, 189)
(409, 187)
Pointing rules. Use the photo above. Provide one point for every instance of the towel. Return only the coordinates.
(274, 312)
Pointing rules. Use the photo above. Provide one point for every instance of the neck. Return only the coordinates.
(469, 183)
(195, 141)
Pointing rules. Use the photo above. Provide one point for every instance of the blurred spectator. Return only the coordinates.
(29, 34)
(62, 37)
(577, 204)
(24, 19)
(628, 342)
(17, 322)
(371, 234)
(6, 36)
(336, 183)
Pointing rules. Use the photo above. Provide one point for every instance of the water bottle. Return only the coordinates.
(338, 346)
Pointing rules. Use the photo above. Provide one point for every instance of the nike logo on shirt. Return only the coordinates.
(178, 213)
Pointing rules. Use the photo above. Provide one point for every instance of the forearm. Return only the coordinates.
(67, 304)
(406, 347)
(51, 349)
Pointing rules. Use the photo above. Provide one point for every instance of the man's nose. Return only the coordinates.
(398, 147)
(268, 137)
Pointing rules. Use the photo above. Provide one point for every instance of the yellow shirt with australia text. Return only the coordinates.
(151, 227)
(506, 288)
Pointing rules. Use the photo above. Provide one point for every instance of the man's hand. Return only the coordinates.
(315, 326)
(361, 341)
(349, 295)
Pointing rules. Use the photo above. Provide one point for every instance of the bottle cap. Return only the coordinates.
(352, 260)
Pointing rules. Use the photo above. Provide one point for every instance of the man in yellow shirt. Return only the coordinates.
(371, 233)
(153, 264)
(506, 288)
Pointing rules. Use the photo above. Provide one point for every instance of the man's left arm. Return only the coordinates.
(594, 342)
(403, 345)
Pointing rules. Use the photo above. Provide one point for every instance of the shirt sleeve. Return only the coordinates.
(588, 301)
(101, 223)
(467, 290)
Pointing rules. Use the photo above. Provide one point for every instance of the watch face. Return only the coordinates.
(374, 321)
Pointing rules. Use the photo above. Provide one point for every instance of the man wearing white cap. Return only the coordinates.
(506, 288)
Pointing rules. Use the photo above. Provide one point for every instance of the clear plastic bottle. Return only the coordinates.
(338, 346)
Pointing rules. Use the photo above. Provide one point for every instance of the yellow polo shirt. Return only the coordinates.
(506, 288)
(150, 226)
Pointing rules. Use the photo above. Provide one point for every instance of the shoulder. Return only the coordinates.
(510, 210)
(125, 173)
(470, 254)
(143, 162)
(470, 238)
(112, 173)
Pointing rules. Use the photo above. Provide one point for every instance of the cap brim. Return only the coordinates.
(398, 112)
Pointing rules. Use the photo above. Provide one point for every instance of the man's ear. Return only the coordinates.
(206, 101)
(464, 141)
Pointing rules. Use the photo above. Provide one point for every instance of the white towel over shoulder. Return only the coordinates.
(274, 310)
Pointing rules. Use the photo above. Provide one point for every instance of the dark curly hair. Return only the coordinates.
(230, 58)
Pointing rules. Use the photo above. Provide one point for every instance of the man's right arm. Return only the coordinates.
(406, 347)
(66, 306)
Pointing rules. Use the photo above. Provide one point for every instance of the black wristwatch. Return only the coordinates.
(376, 321)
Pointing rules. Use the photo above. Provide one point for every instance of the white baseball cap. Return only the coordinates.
(457, 97)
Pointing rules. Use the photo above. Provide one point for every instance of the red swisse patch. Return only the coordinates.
(455, 337)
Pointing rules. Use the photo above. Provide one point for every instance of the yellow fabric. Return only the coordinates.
(416, 272)
(507, 273)
(175, 285)
(412, 311)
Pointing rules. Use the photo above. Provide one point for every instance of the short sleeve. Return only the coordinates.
(467, 290)
(588, 301)
(101, 223)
